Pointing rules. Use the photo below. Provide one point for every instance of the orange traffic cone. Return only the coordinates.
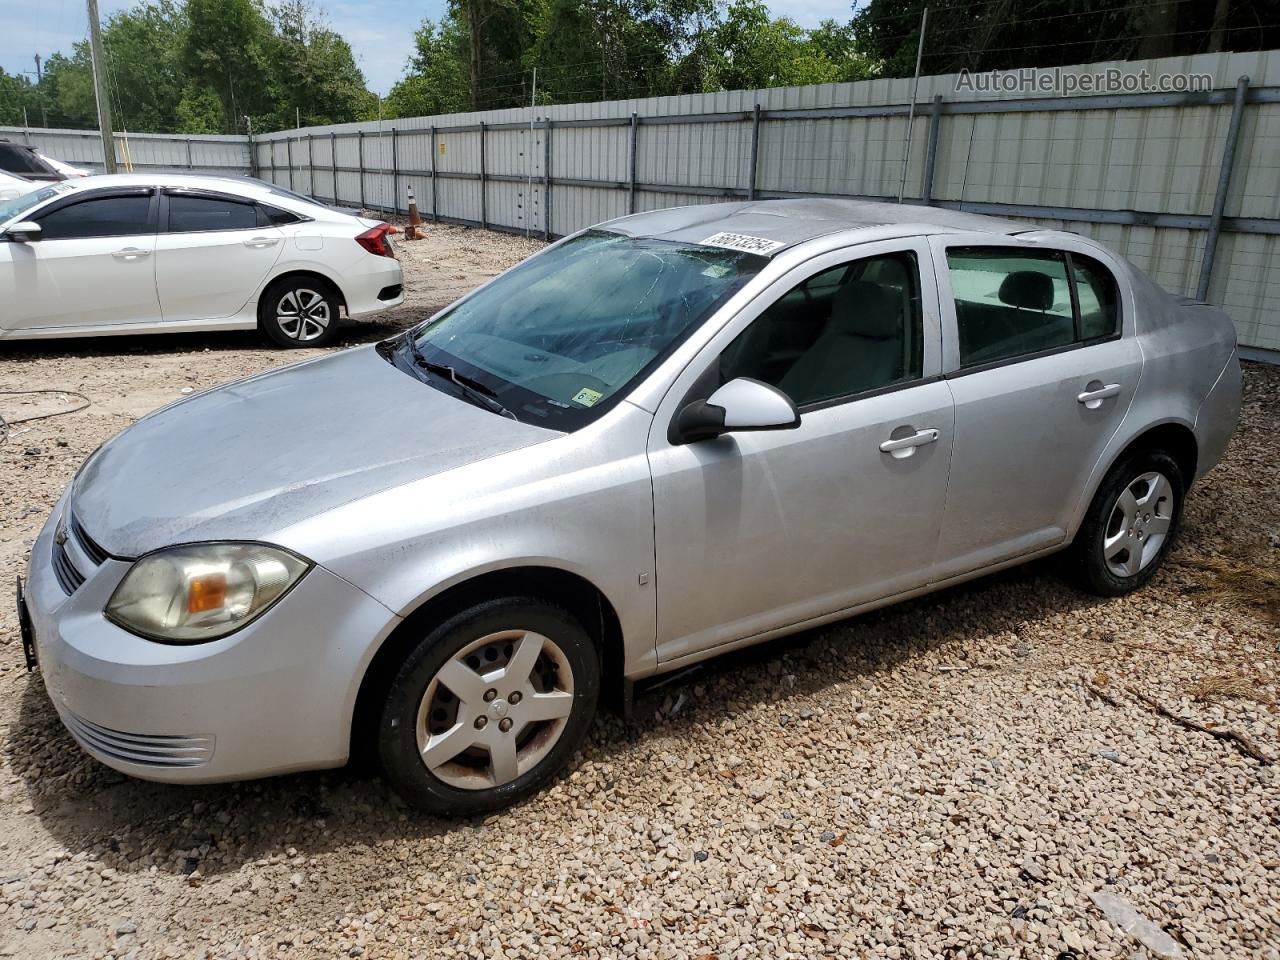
(415, 221)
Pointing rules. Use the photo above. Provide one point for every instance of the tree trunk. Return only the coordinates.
(1218, 32)
(1158, 22)
(473, 25)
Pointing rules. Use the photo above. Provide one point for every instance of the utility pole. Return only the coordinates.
(44, 113)
(100, 90)
(911, 113)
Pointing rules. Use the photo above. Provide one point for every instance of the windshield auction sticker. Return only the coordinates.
(588, 397)
(743, 242)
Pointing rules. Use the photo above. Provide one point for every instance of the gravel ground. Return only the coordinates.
(950, 778)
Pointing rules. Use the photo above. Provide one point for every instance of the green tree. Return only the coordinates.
(750, 49)
(435, 80)
(313, 71)
(227, 47)
(16, 94)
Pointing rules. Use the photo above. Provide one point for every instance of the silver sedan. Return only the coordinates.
(658, 440)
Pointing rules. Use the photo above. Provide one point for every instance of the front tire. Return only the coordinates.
(299, 312)
(1130, 526)
(489, 707)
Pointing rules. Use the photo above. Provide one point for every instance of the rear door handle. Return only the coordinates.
(1092, 399)
(131, 253)
(258, 243)
(906, 446)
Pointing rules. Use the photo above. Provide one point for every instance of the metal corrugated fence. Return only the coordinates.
(144, 151)
(1142, 172)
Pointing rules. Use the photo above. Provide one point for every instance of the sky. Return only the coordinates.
(380, 31)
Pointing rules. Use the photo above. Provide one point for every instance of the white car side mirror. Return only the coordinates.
(741, 404)
(25, 231)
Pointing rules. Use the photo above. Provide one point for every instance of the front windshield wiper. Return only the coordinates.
(472, 389)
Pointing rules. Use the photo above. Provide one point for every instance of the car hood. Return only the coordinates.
(250, 458)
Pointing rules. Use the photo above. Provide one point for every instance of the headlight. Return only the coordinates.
(203, 591)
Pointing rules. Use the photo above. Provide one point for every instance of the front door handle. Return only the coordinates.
(906, 446)
(1092, 399)
(257, 243)
(129, 254)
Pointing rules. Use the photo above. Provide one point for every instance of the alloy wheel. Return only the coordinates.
(303, 314)
(1139, 524)
(495, 709)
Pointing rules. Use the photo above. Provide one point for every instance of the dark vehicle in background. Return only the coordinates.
(20, 159)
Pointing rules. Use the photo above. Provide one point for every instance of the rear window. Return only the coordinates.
(20, 160)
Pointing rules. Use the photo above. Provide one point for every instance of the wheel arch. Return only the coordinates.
(1174, 436)
(302, 273)
(586, 602)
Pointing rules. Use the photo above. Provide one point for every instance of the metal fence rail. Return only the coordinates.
(1186, 185)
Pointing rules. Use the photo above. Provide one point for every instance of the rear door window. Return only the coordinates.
(1014, 302)
(1009, 302)
(200, 214)
(115, 216)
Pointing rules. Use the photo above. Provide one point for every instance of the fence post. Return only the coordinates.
(435, 216)
(484, 198)
(546, 182)
(931, 150)
(631, 166)
(253, 148)
(1224, 185)
(395, 174)
(333, 163)
(190, 165)
(273, 161)
(288, 158)
(311, 165)
(755, 153)
(360, 156)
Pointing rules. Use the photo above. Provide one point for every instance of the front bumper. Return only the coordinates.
(274, 697)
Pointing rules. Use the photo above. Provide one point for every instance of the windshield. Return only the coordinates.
(18, 205)
(557, 337)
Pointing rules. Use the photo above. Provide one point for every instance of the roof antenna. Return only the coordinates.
(911, 112)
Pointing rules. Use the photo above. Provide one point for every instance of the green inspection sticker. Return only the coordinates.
(587, 397)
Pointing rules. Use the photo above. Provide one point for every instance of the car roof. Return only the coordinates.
(194, 181)
(785, 223)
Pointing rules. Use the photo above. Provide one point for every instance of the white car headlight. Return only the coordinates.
(202, 591)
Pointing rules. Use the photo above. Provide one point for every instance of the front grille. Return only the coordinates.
(146, 749)
(64, 571)
(70, 577)
(88, 544)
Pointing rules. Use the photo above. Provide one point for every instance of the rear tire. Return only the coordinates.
(299, 312)
(1131, 525)
(489, 707)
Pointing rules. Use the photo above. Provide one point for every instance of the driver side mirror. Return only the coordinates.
(741, 404)
(27, 231)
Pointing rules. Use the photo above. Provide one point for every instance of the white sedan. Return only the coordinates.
(153, 253)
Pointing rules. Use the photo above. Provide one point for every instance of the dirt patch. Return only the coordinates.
(932, 780)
